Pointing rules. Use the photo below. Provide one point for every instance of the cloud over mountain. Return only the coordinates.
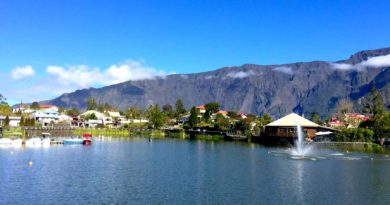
(284, 69)
(55, 79)
(376, 62)
(240, 74)
(314, 87)
(83, 76)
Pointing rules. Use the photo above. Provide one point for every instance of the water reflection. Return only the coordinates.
(298, 166)
(133, 170)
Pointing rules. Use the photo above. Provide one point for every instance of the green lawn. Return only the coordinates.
(103, 132)
(13, 132)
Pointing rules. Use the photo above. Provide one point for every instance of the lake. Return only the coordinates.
(170, 171)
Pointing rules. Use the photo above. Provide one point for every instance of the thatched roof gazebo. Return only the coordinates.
(284, 129)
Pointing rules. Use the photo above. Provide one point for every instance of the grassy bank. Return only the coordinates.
(121, 133)
(155, 134)
(206, 137)
(178, 135)
(13, 132)
(103, 132)
(354, 147)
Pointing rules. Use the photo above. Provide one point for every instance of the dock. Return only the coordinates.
(56, 142)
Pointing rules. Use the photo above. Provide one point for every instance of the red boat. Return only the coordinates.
(87, 139)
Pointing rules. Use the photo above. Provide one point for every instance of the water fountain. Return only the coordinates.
(301, 148)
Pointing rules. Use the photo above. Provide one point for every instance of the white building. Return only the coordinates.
(139, 121)
(93, 123)
(22, 108)
(45, 117)
(106, 120)
(48, 107)
(119, 120)
(14, 121)
(65, 119)
(113, 114)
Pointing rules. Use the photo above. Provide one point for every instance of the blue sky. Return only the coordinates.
(75, 44)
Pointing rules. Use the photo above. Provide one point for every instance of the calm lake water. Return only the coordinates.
(172, 171)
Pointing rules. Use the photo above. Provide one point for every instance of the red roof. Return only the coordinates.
(358, 117)
(46, 106)
(200, 107)
(222, 112)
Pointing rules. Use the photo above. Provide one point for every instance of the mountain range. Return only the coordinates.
(302, 87)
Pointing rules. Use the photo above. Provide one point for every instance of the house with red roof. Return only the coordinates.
(201, 109)
(350, 120)
(222, 112)
(242, 115)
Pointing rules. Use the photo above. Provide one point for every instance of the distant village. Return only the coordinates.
(47, 115)
(344, 125)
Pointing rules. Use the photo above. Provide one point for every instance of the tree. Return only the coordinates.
(28, 122)
(180, 109)
(91, 116)
(193, 120)
(168, 111)
(91, 103)
(35, 106)
(344, 106)
(211, 107)
(155, 116)
(267, 119)
(103, 107)
(6, 122)
(72, 112)
(222, 123)
(315, 117)
(5, 109)
(380, 120)
(382, 126)
(233, 114)
(243, 126)
(21, 123)
(100, 107)
(2, 99)
(378, 106)
(373, 103)
(264, 120)
(355, 135)
(133, 112)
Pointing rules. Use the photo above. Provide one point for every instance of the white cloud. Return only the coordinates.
(209, 77)
(376, 62)
(379, 61)
(341, 66)
(63, 79)
(284, 69)
(22, 72)
(240, 74)
(130, 70)
(83, 76)
(80, 76)
(184, 76)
